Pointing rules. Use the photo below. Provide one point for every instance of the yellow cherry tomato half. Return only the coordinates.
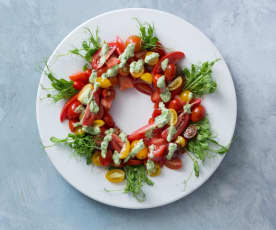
(186, 96)
(125, 150)
(181, 141)
(103, 82)
(98, 123)
(157, 170)
(143, 154)
(96, 159)
(153, 61)
(79, 131)
(138, 74)
(176, 83)
(173, 119)
(147, 77)
(115, 175)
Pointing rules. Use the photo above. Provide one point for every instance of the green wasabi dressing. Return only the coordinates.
(84, 99)
(93, 106)
(164, 117)
(103, 53)
(111, 72)
(150, 166)
(128, 53)
(151, 57)
(76, 124)
(187, 108)
(171, 132)
(123, 136)
(151, 150)
(166, 95)
(93, 76)
(105, 142)
(149, 133)
(136, 66)
(79, 109)
(164, 64)
(172, 149)
(116, 158)
(136, 149)
(161, 83)
(91, 130)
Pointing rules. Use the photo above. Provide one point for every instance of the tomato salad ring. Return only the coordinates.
(178, 123)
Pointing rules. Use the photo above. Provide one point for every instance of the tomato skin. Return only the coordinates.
(71, 114)
(139, 133)
(156, 112)
(112, 61)
(158, 141)
(125, 82)
(172, 57)
(175, 104)
(159, 152)
(120, 45)
(136, 40)
(151, 121)
(108, 93)
(78, 85)
(155, 97)
(170, 72)
(116, 142)
(195, 102)
(63, 114)
(124, 71)
(198, 113)
(143, 88)
(80, 76)
(108, 120)
(107, 161)
(135, 162)
(174, 163)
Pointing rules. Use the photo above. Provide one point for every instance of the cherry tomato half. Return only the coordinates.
(78, 85)
(143, 88)
(170, 72)
(175, 104)
(115, 175)
(174, 163)
(71, 113)
(135, 162)
(198, 113)
(80, 76)
(136, 40)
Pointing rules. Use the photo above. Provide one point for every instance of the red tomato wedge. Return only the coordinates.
(159, 152)
(108, 120)
(71, 126)
(116, 142)
(125, 82)
(195, 102)
(120, 45)
(112, 61)
(140, 133)
(155, 97)
(63, 114)
(134, 162)
(78, 85)
(143, 88)
(107, 161)
(181, 125)
(80, 76)
(107, 103)
(174, 163)
(158, 141)
(175, 104)
(172, 57)
(97, 56)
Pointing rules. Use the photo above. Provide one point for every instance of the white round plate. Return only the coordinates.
(131, 109)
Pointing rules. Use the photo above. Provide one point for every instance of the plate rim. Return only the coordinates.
(177, 197)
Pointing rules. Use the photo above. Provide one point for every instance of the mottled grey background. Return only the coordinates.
(240, 195)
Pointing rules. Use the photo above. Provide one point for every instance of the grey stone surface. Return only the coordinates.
(240, 195)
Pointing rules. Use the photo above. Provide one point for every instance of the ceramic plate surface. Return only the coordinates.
(132, 109)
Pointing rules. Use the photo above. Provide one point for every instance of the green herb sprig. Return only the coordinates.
(89, 47)
(63, 87)
(147, 34)
(200, 145)
(199, 79)
(136, 177)
(82, 145)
